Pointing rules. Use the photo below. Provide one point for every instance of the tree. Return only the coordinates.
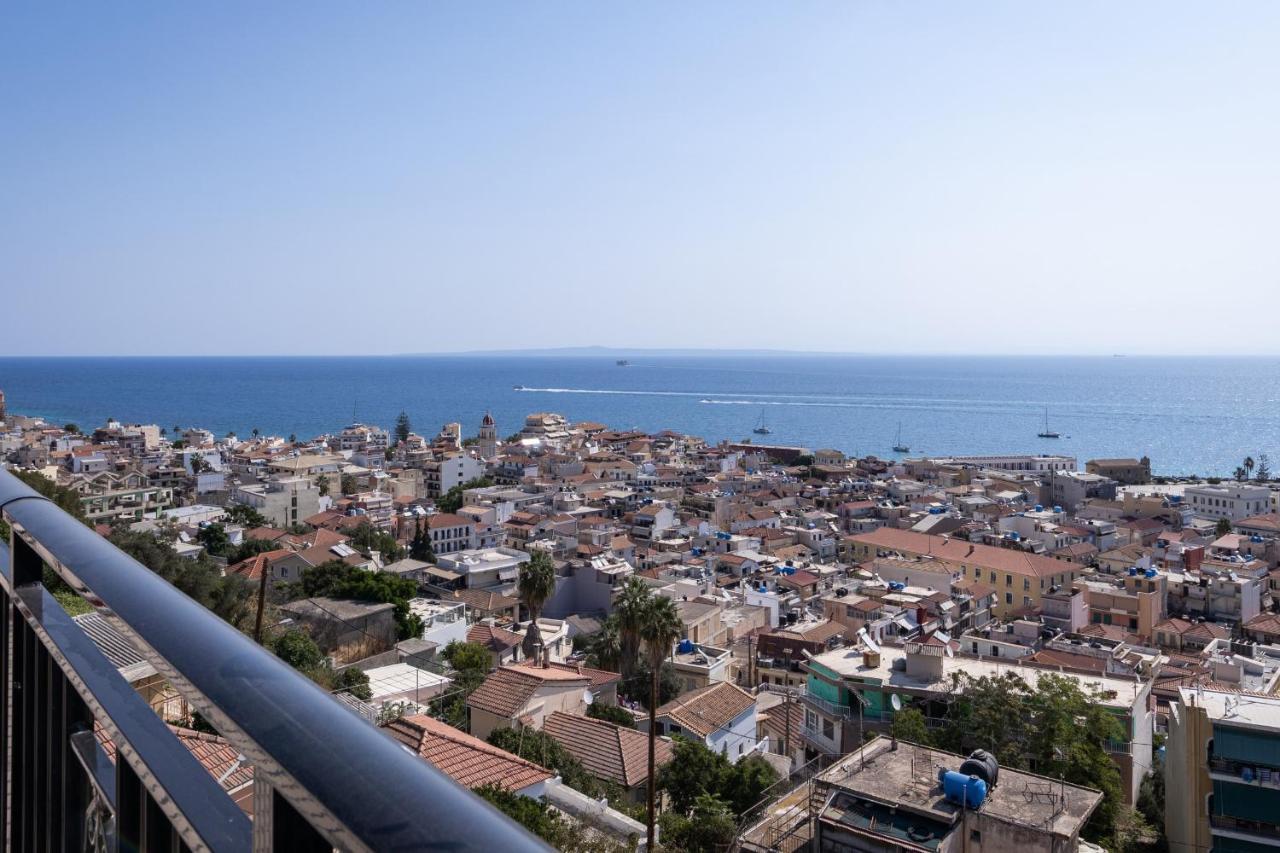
(1248, 465)
(742, 785)
(694, 770)
(535, 584)
(545, 751)
(709, 827)
(214, 539)
(250, 548)
(367, 538)
(67, 500)
(909, 725)
(1223, 527)
(1264, 468)
(403, 427)
(293, 438)
(629, 610)
(322, 484)
(296, 648)
(451, 501)
(354, 681)
(467, 657)
(336, 579)
(255, 432)
(659, 632)
(611, 714)
(1055, 727)
(245, 516)
(71, 428)
(1239, 474)
(420, 546)
(604, 648)
(348, 484)
(636, 685)
(559, 832)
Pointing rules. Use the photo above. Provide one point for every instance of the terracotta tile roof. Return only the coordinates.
(506, 691)
(599, 677)
(607, 751)
(799, 579)
(266, 534)
(465, 759)
(709, 708)
(487, 600)
(774, 721)
(493, 638)
(446, 519)
(1264, 623)
(253, 567)
(1067, 660)
(214, 753)
(961, 551)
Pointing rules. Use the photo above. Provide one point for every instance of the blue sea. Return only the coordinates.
(1190, 415)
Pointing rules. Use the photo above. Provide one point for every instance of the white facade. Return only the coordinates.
(1234, 501)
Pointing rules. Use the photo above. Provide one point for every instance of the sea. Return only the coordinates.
(1189, 415)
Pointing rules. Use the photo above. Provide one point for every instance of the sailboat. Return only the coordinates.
(898, 446)
(761, 429)
(1048, 433)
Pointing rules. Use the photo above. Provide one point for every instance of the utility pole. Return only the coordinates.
(262, 600)
(786, 706)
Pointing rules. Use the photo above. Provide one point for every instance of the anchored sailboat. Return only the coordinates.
(1048, 433)
(898, 446)
(761, 429)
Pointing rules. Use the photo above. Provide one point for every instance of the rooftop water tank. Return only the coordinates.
(1039, 507)
(1133, 571)
(685, 647)
(1150, 573)
(1057, 508)
(962, 790)
(982, 764)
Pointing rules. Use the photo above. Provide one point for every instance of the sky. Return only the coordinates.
(335, 177)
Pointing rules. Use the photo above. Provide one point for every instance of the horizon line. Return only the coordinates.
(660, 352)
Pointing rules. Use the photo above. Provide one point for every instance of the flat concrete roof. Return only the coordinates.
(849, 662)
(908, 777)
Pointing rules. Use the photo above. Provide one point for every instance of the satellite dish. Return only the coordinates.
(588, 697)
(896, 701)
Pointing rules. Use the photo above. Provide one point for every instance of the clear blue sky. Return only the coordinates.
(867, 176)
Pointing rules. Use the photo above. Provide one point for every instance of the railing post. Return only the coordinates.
(277, 826)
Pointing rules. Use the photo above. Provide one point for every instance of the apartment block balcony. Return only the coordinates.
(322, 778)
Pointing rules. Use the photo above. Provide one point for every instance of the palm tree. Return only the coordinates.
(1240, 474)
(606, 646)
(535, 585)
(1248, 465)
(661, 629)
(631, 609)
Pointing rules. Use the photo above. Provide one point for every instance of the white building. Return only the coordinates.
(284, 501)
(1228, 500)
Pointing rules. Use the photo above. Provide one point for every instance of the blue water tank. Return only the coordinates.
(1133, 571)
(685, 647)
(1057, 508)
(1039, 507)
(1150, 573)
(962, 790)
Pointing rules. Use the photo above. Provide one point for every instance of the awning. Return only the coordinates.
(443, 574)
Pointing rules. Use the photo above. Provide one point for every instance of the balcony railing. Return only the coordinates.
(323, 778)
(1246, 827)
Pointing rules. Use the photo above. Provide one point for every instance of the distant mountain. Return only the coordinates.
(631, 352)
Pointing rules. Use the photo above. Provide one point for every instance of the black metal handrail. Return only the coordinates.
(323, 778)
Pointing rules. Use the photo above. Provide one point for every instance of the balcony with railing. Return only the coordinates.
(322, 777)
